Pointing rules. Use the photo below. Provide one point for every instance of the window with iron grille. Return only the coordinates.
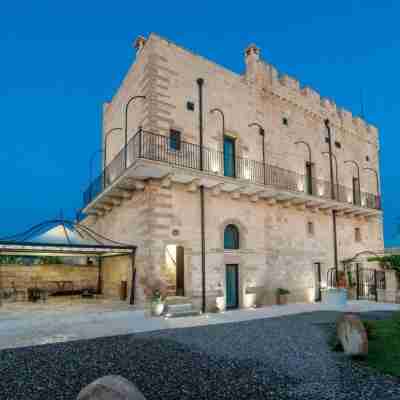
(174, 139)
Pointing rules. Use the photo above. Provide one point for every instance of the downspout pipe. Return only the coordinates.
(309, 162)
(335, 245)
(200, 83)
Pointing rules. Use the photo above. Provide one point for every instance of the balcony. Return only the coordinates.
(151, 155)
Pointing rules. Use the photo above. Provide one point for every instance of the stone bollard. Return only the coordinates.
(352, 335)
(111, 387)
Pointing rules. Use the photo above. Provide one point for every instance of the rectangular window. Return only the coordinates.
(174, 139)
(357, 234)
(310, 228)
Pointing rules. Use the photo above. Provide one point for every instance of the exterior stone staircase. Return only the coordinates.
(179, 306)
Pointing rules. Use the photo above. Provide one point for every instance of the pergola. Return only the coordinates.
(60, 237)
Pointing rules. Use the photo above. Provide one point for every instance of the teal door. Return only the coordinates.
(232, 292)
(229, 156)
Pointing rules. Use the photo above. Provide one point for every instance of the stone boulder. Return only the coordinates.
(352, 335)
(111, 387)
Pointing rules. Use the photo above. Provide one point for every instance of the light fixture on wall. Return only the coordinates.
(247, 173)
(349, 198)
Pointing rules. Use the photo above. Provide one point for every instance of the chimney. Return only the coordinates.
(252, 57)
(139, 44)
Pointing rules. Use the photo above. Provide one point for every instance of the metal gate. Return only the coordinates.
(366, 282)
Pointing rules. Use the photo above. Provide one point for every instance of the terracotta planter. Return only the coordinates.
(281, 299)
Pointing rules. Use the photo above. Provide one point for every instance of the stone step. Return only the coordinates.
(179, 307)
(192, 313)
(180, 310)
(172, 300)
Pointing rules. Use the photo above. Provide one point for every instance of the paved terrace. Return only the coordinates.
(252, 356)
(23, 324)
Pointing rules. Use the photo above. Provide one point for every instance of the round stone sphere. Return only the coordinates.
(111, 387)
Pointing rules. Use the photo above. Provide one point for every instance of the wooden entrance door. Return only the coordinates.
(317, 279)
(229, 156)
(232, 286)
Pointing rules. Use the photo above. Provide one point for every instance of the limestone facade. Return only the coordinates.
(280, 240)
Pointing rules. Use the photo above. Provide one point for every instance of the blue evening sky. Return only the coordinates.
(60, 60)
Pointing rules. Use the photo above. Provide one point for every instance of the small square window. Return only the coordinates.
(310, 228)
(357, 234)
(366, 158)
(285, 121)
(174, 139)
(338, 145)
(190, 106)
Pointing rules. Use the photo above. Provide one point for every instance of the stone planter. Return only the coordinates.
(334, 297)
(220, 303)
(281, 299)
(157, 308)
(249, 300)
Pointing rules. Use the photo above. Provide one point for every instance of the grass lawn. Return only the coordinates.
(384, 345)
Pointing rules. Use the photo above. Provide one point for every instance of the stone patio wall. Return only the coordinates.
(26, 276)
(114, 271)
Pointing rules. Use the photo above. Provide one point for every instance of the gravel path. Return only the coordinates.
(277, 358)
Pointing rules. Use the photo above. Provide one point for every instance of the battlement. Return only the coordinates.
(267, 77)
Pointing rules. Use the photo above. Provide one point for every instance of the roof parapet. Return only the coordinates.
(268, 76)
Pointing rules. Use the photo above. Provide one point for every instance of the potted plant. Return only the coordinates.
(282, 296)
(157, 303)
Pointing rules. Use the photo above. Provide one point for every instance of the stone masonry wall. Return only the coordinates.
(143, 221)
(25, 277)
(114, 271)
(167, 74)
(276, 249)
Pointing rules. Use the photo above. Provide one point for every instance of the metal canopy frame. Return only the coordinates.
(75, 240)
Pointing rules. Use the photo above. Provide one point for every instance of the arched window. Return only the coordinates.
(231, 237)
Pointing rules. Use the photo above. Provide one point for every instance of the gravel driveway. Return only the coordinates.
(277, 358)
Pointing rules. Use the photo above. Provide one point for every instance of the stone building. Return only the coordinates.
(226, 184)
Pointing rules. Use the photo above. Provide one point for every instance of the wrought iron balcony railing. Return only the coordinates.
(151, 146)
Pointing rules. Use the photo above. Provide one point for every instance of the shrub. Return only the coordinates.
(281, 291)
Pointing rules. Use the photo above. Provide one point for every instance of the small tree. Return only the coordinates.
(391, 261)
